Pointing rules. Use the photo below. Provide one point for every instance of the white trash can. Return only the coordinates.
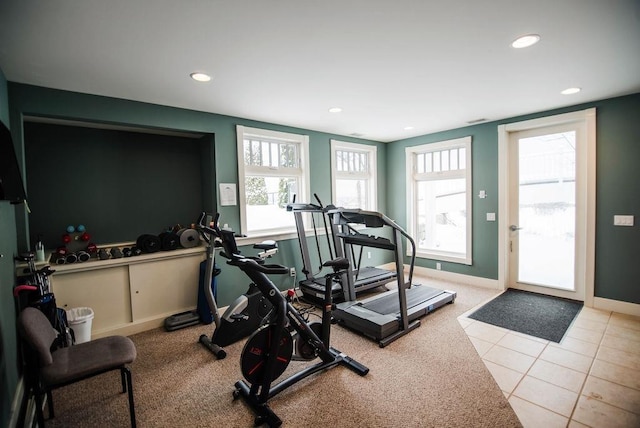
(80, 320)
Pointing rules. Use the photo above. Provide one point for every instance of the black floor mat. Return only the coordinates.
(534, 314)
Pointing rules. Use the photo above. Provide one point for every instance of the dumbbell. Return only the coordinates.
(60, 255)
(102, 254)
(83, 256)
(116, 253)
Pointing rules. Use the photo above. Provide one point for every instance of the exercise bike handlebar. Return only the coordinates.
(205, 227)
(231, 251)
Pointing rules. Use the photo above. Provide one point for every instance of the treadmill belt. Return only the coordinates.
(389, 304)
(371, 274)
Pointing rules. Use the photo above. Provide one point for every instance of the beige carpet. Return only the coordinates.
(432, 377)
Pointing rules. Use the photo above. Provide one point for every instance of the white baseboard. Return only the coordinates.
(129, 328)
(458, 277)
(390, 266)
(598, 302)
(616, 306)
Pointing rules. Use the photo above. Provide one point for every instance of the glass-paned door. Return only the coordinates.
(543, 211)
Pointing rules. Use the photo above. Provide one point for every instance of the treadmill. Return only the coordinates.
(388, 316)
(312, 285)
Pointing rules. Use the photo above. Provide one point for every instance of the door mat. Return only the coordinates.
(538, 315)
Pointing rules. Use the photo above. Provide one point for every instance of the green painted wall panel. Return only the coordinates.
(8, 248)
(219, 158)
(617, 273)
(617, 192)
(614, 120)
(484, 148)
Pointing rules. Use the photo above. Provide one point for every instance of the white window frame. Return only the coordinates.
(413, 178)
(302, 172)
(371, 175)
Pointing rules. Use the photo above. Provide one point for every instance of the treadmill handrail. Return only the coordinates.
(345, 213)
(304, 207)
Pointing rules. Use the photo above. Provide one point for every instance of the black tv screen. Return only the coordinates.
(11, 184)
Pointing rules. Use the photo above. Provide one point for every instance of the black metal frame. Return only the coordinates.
(257, 395)
(353, 314)
(356, 278)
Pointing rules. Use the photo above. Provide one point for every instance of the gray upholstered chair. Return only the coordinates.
(48, 370)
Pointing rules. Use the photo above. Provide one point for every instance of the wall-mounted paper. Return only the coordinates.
(228, 194)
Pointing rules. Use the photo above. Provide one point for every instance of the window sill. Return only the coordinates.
(257, 238)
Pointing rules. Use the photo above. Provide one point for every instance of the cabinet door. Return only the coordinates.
(106, 291)
(164, 287)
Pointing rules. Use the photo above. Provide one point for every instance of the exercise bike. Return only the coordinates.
(269, 350)
(245, 314)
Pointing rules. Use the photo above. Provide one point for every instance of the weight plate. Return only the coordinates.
(189, 238)
(148, 243)
(168, 241)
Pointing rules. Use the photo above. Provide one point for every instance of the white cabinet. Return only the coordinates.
(106, 291)
(163, 287)
(130, 295)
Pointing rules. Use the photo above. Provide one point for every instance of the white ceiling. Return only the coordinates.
(389, 64)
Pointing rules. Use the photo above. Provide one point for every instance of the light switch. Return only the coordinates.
(491, 216)
(623, 220)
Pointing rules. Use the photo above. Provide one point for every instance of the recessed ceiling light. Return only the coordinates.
(525, 41)
(335, 110)
(570, 91)
(408, 128)
(200, 77)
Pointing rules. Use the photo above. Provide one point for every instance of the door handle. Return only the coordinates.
(513, 228)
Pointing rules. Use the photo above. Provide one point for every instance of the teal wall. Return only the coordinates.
(8, 248)
(484, 152)
(617, 192)
(220, 164)
(4, 100)
(8, 340)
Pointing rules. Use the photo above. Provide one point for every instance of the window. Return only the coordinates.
(439, 199)
(272, 167)
(353, 173)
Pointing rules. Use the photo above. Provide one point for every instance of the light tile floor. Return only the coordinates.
(590, 379)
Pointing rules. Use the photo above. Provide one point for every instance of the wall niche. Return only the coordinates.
(119, 182)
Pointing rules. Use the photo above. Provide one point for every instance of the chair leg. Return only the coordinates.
(124, 383)
(37, 394)
(50, 403)
(132, 411)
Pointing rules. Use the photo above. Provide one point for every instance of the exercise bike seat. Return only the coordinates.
(266, 245)
(340, 263)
